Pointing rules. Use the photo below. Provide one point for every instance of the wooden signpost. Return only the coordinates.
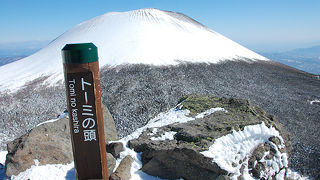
(82, 80)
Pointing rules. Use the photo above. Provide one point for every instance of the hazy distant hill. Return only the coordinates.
(10, 52)
(9, 59)
(306, 59)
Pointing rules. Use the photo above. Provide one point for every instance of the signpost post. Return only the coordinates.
(82, 80)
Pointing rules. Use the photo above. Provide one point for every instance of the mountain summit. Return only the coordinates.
(145, 36)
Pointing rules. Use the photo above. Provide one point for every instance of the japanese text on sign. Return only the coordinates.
(82, 102)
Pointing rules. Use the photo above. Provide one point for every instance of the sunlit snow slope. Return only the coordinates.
(148, 36)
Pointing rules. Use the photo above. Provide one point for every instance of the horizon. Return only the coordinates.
(261, 26)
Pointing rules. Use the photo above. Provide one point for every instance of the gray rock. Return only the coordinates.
(111, 161)
(49, 143)
(115, 149)
(110, 131)
(123, 170)
(181, 157)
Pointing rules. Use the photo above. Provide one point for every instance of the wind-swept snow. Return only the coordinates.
(147, 36)
(231, 152)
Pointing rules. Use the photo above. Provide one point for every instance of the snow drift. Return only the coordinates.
(147, 36)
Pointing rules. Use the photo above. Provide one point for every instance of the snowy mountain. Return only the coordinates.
(147, 36)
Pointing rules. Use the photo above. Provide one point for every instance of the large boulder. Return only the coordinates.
(180, 150)
(50, 143)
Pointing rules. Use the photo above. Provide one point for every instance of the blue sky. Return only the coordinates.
(261, 25)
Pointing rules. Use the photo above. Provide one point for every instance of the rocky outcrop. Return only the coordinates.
(176, 150)
(50, 143)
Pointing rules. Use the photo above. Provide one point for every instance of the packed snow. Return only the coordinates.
(147, 36)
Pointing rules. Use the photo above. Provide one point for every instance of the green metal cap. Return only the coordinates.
(79, 53)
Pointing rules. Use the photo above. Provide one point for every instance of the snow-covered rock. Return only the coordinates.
(215, 143)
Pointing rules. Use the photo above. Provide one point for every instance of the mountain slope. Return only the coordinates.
(147, 36)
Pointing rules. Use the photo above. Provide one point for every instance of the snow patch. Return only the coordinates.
(62, 115)
(174, 115)
(315, 101)
(210, 111)
(154, 132)
(48, 172)
(165, 136)
(49, 121)
(3, 155)
(36, 162)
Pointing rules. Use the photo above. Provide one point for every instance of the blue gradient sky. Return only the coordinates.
(261, 25)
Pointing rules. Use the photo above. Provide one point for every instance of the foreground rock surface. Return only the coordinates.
(179, 156)
(50, 143)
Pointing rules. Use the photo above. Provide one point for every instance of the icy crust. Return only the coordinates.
(146, 36)
(232, 152)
